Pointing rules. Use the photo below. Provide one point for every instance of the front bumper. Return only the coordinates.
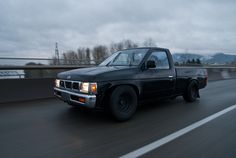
(73, 98)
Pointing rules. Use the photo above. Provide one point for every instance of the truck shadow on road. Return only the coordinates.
(77, 116)
(84, 124)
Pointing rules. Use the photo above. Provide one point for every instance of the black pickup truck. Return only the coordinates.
(128, 77)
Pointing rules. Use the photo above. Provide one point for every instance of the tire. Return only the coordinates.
(191, 93)
(123, 103)
(173, 98)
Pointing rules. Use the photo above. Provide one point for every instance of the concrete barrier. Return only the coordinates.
(12, 90)
(221, 73)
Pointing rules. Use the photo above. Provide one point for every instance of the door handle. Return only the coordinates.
(171, 78)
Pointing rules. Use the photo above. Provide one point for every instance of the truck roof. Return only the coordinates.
(159, 48)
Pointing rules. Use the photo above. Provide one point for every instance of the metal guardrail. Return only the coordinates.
(41, 77)
(50, 71)
(39, 67)
(47, 71)
(209, 67)
(58, 61)
(44, 67)
(70, 66)
(34, 58)
(13, 58)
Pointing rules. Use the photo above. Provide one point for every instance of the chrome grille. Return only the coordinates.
(62, 84)
(68, 84)
(73, 85)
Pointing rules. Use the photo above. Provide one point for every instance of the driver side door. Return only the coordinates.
(158, 82)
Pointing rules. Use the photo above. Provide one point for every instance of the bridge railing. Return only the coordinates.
(33, 78)
(38, 67)
(51, 71)
(11, 67)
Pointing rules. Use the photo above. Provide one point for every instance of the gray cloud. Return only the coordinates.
(30, 28)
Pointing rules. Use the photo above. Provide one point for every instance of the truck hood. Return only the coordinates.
(100, 73)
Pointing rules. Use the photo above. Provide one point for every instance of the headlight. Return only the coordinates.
(84, 87)
(87, 87)
(57, 83)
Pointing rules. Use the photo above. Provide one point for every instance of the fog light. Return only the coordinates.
(82, 100)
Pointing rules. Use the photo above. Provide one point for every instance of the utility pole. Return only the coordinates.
(57, 54)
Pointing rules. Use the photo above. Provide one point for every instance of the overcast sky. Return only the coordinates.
(30, 28)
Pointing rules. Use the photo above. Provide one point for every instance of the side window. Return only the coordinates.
(161, 59)
(137, 58)
(121, 59)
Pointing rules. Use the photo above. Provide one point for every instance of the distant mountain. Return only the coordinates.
(221, 58)
(218, 58)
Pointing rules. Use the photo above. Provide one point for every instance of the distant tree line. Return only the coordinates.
(233, 63)
(85, 56)
(192, 62)
(96, 54)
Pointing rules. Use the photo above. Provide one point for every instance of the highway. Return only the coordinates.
(50, 128)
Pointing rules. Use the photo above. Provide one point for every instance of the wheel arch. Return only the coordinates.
(135, 87)
(195, 80)
(110, 87)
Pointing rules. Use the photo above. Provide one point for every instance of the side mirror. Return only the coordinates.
(151, 64)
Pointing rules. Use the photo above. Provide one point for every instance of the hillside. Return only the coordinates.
(218, 58)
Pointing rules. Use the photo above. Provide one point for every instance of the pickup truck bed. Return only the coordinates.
(187, 73)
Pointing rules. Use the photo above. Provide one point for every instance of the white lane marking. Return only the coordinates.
(147, 148)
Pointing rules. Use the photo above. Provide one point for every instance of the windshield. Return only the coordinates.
(132, 57)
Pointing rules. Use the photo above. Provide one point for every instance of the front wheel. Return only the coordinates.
(123, 103)
(191, 93)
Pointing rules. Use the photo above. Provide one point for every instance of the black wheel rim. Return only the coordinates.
(194, 92)
(125, 102)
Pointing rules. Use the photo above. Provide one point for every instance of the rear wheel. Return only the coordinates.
(191, 93)
(123, 103)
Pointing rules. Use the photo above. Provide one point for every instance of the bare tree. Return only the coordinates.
(122, 45)
(87, 56)
(149, 43)
(99, 53)
(81, 55)
(70, 58)
(129, 44)
(113, 47)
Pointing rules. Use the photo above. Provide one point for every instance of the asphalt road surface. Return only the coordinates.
(50, 128)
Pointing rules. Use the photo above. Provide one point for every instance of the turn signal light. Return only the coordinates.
(93, 88)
